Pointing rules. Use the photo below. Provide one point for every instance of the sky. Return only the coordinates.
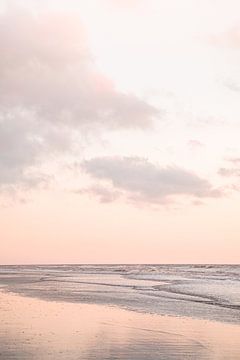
(119, 131)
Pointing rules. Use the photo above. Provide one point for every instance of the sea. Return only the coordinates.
(210, 292)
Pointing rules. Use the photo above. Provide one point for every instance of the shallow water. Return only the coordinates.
(201, 291)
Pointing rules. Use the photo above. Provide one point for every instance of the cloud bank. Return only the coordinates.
(51, 89)
(141, 180)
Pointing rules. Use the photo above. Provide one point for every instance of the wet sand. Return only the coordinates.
(38, 329)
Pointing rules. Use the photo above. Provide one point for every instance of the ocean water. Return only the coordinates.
(210, 292)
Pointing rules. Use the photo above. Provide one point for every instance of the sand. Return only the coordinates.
(37, 329)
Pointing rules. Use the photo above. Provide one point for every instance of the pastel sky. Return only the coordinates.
(119, 131)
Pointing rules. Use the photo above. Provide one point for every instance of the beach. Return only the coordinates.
(72, 312)
(39, 329)
(119, 180)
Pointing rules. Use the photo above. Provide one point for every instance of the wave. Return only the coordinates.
(204, 291)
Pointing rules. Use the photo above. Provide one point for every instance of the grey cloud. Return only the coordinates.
(24, 143)
(104, 194)
(229, 171)
(234, 160)
(141, 180)
(51, 89)
(233, 170)
(17, 147)
(232, 85)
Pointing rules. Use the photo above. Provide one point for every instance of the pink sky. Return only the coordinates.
(119, 131)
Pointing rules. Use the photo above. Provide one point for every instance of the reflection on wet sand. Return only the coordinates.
(37, 329)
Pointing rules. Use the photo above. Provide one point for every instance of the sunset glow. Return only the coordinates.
(119, 131)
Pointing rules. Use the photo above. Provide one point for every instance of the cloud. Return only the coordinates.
(17, 149)
(229, 171)
(233, 171)
(235, 160)
(51, 89)
(194, 144)
(103, 194)
(232, 85)
(24, 144)
(46, 66)
(141, 180)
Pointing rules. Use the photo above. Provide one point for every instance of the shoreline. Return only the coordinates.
(208, 300)
(31, 327)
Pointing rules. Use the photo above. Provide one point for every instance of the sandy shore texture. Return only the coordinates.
(38, 329)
